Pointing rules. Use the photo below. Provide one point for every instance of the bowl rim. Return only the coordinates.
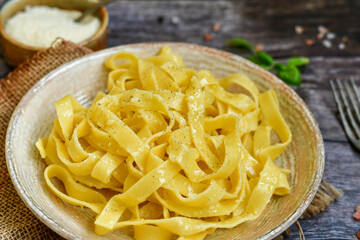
(271, 78)
(104, 22)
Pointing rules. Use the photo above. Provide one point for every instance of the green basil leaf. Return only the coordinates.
(240, 43)
(298, 61)
(290, 75)
(262, 58)
(279, 67)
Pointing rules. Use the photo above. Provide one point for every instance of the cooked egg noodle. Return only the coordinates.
(168, 150)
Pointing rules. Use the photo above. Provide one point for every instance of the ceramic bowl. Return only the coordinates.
(84, 77)
(16, 52)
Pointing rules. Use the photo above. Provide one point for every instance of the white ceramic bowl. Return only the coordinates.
(84, 77)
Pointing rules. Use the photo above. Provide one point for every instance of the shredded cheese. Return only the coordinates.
(39, 26)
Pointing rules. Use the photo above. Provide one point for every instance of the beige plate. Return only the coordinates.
(84, 77)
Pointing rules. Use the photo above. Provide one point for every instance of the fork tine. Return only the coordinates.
(353, 100)
(356, 89)
(347, 108)
(339, 105)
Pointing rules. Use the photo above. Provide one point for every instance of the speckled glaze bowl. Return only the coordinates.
(84, 77)
(16, 52)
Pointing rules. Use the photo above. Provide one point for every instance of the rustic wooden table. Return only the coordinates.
(271, 23)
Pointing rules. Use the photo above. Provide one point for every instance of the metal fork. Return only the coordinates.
(345, 92)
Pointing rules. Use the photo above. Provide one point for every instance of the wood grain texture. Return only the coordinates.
(270, 23)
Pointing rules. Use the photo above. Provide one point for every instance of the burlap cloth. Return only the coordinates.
(16, 220)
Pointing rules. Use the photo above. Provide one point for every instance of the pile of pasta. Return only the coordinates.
(168, 150)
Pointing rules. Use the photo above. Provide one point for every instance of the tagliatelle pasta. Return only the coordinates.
(168, 150)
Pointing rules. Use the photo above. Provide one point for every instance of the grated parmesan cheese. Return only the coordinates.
(39, 26)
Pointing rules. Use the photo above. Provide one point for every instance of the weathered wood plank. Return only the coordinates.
(315, 91)
(336, 222)
(266, 22)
